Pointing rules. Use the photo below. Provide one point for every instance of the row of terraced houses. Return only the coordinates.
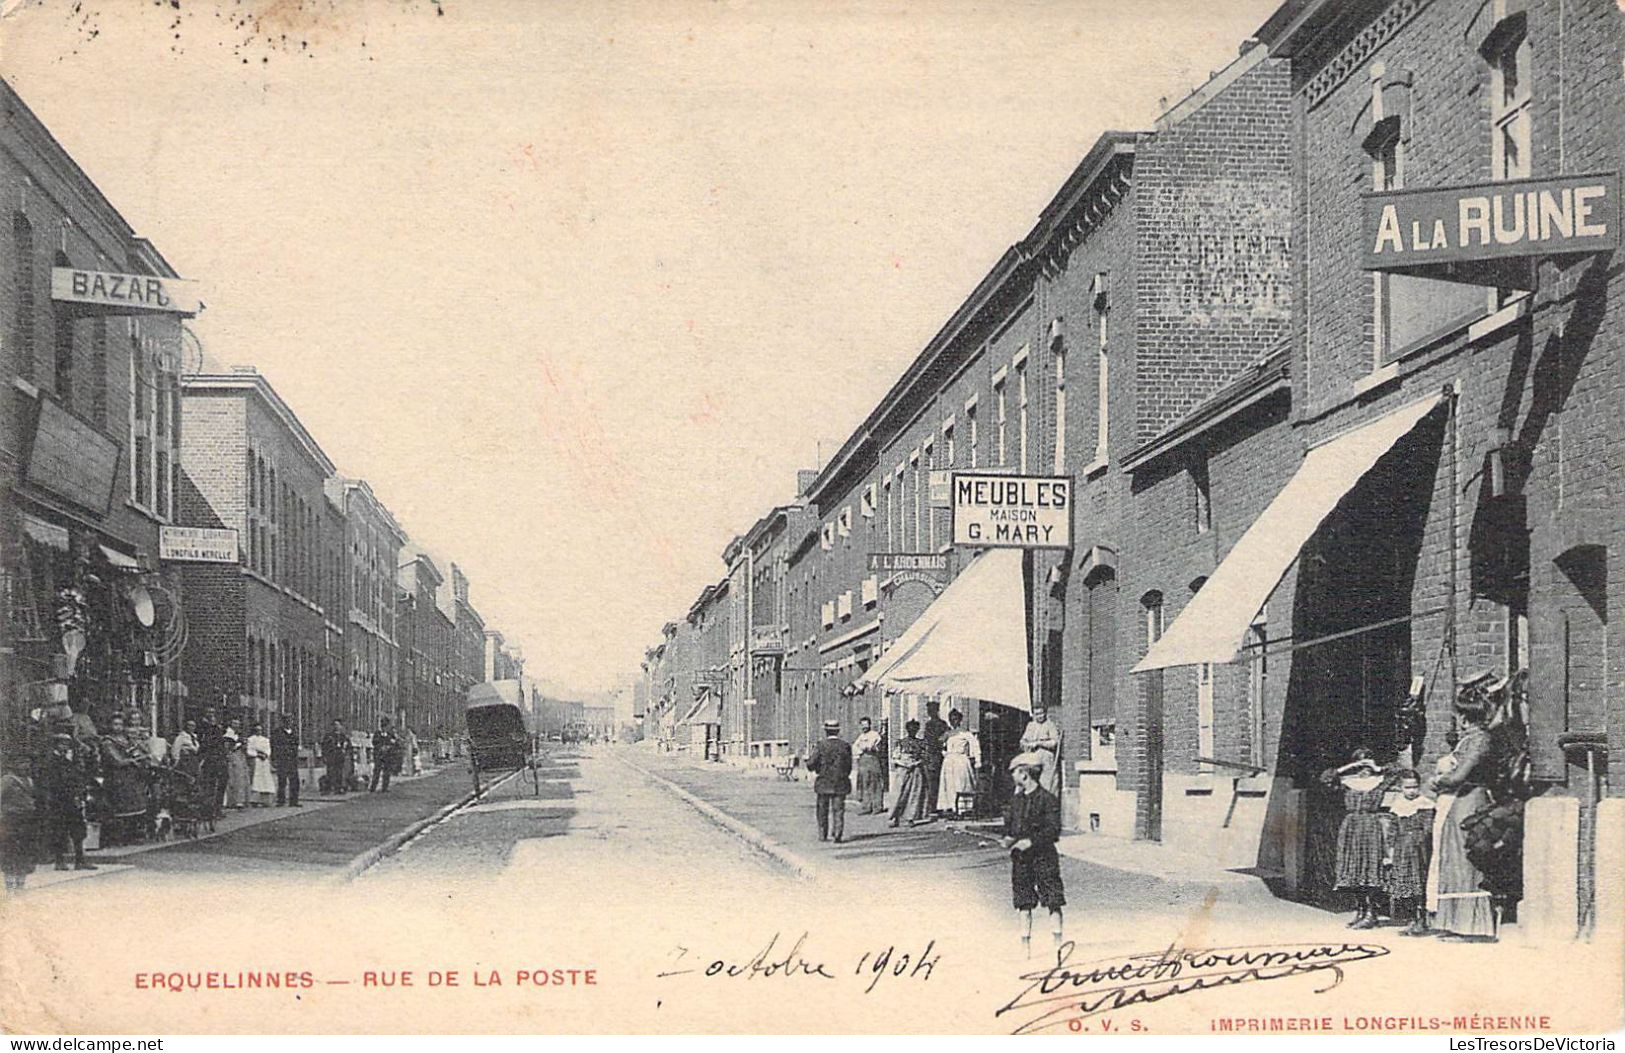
(1201, 330)
(173, 537)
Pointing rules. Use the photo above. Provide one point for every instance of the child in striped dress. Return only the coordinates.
(1361, 846)
(1411, 852)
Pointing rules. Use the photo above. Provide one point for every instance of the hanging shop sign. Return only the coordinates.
(895, 562)
(1436, 231)
(939, 492)
(197, 544)
(1012, 511)
(71, 458)
(114, 293)
(767, 640)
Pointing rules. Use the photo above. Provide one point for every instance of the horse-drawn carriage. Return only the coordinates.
(499, 737)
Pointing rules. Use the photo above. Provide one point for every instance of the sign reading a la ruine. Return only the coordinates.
(1415, 230)
(123, 293)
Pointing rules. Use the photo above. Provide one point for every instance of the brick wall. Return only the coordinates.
(1212, 193)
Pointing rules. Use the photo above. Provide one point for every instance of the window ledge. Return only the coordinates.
(25, 387)
(1094, 467)
(1377, 378)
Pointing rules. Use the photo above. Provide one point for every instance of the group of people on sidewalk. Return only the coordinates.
(1032, 821)
(1444, 856)
(392, 754)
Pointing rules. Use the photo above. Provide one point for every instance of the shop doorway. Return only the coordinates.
(1356, 624)
(1000, 729)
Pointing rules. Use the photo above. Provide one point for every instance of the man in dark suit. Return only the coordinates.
(285, 762)
(831, 761)
(385, 758)
(335, 752)
(934, 731)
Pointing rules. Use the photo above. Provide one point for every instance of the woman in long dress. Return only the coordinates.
(236, 771)
(869, 769)
(262, 782)
(909, 759)
(1465, 910)
(1044, 739)
(961, 756)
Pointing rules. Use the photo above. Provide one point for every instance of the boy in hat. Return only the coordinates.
(831, 761)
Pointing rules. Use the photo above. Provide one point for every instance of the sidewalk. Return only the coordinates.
(326, 832)
(781, 814)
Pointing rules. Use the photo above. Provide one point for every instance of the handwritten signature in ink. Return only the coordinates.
(1070, 990)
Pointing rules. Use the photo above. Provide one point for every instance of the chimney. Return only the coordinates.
(804, 480)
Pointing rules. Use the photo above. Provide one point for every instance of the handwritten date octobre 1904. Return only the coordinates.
(772, 962)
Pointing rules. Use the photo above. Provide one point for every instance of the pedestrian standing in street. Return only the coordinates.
(285, 762)
(961, 757)
(183, 750)
(1412, 848)
(1465, 908)
(831, 762)
(335, 748)
(385, 755)
(1361, 841)
(1031, 827)
(909, 760)
(19, 822)
(261, 783)
(213, 751)
(933, 733)
(236, 770)
(1044, 738)
(869, 769)
(63, 789)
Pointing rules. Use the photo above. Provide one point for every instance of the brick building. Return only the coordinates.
(468, 631)
(265, 632)
(372, 549)
(1479, 541)
(91, 320)
(426, 638)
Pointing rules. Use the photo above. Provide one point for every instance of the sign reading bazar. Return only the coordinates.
(1412, 230)
(124, 293)
(1012, 511)
(197, 544)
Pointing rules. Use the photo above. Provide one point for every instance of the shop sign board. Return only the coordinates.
(1012, 511)
(895, 562)
(124, 293)
(767, 640)
(197, 544)
(1412, 230)
(71, 458)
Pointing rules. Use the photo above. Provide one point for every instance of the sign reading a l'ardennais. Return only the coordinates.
(1413, 229)
(1012, 511)
(124, 293)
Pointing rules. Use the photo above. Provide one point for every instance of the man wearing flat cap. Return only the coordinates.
(831, 762)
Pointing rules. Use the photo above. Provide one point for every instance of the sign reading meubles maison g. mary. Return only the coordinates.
(1012, 511)
(1411, 230)
(112, 293)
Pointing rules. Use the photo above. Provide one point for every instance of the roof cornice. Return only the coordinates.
(256, 384)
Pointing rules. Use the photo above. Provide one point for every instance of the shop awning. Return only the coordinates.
(705, 711)
(1213, 626)
(45, 533)
(119, 559)
(970, 643)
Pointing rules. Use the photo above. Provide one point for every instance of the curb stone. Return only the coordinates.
(366, 860)
(742, 830)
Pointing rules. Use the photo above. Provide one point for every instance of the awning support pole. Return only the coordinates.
(1452, 396)
(1271, 646)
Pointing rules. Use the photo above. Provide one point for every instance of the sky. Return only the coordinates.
(578, 287)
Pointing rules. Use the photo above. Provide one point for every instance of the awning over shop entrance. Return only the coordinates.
(1213, 625)
(705, 710)
(970, 643)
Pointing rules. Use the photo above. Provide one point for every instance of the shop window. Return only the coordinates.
(1000, 416)
(1508, 57)
(971, 436)
(1201, 495)
(1103, 382)
(1058, 356)
(1020, 368)
(23, 275)
(1407, 312)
